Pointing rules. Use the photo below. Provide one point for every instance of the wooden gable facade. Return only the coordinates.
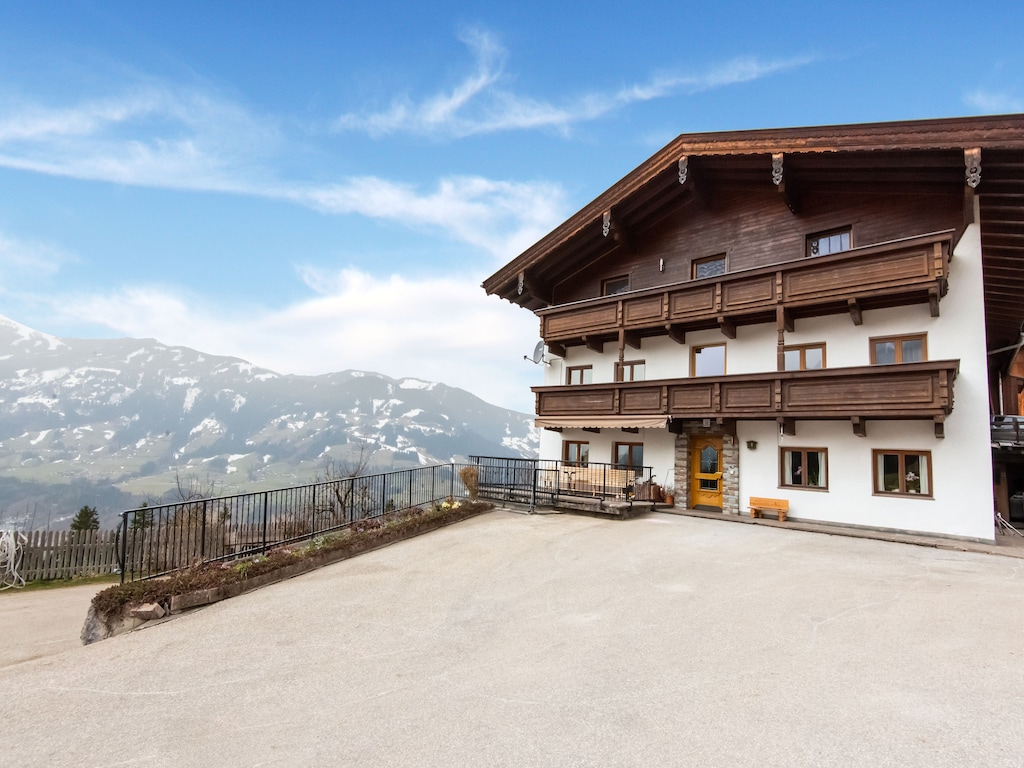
(757, 241)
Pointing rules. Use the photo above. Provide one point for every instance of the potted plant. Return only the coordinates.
(669, 492)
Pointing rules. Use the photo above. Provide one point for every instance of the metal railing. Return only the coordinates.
(1008, 429)
(530, 481)
(155, 540)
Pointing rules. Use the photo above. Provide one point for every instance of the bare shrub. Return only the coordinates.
(470, 477)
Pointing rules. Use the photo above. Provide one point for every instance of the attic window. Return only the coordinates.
(712, 266)
(614, 285)
(825, 243)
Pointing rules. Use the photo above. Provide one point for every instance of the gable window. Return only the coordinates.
(804, 468)
(893, 350)
(632, 370)
(825, 243)
(804, 357)
(712, 266)
(579, 374)
(708, 360)
(614, 285)
(575, 453)
(629, 455)
(903, 473)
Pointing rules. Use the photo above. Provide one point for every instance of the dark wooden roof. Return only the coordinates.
(916, 156)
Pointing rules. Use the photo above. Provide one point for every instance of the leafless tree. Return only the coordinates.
(341, 473)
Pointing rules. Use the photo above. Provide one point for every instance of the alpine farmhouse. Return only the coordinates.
(825, 317)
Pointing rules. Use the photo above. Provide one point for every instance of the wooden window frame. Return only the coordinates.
(620, 370)
(578, 462)
(697, 348)
(578, 368)
(899, 339)
(815, 236)
(803, 463)
(609, 280)
(707, 260)
(802, 349)
(902, 492)
(629, 464)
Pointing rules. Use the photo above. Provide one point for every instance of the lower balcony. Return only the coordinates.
(908, 391)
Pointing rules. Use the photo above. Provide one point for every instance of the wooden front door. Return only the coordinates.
(706, 473)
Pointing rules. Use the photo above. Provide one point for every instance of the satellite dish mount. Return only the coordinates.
(538, 355)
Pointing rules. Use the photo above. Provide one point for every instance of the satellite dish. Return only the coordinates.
(538, 355)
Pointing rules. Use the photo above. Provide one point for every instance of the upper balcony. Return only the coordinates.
(908, 271)
(907, 391)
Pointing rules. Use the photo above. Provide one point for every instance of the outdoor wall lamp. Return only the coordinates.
(752, 445)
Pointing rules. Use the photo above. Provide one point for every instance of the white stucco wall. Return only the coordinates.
(962, 501)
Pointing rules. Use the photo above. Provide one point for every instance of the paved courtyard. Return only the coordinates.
(557, 640)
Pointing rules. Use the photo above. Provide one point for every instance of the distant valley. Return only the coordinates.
(117, 421)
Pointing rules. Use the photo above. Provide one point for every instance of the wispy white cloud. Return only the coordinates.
(478, 104)
(160, 137)
(443, 329)
(994, 102)
(147, 136)
(20, 258)
(499, 217)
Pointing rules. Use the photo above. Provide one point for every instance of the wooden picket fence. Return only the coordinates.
(66, 554)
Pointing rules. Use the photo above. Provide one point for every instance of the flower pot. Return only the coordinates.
(670, 499)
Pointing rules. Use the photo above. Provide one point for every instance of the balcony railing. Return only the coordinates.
(1008, 431)
(911, 270)
(531, 480)
(907, 391)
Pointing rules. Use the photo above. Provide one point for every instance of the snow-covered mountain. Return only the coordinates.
(136, 412)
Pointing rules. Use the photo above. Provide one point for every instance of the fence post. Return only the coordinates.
(123, 549)
(202, 533)
(264, 521)
(533, 489)
(452, 492)
(312, 524)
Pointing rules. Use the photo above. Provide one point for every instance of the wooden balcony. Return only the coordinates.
(908, 391)
(908, 271)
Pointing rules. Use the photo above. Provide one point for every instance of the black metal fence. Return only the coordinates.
(157, 539)
(533, 481)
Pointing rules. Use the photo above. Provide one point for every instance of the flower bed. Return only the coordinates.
(111, 611)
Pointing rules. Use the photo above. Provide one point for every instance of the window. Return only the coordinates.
(892, 350)
(903, 472)
(712, 266)
(824, 243)
(804, 357)
(575, 453)
(708, 360)
(630, 371)
(629, 455)
(579, 374)
(614, 285)
(804, 468)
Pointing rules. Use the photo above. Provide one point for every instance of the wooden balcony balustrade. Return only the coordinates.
(906, 271)
(907, 391)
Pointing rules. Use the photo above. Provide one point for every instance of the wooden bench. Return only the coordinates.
(759, 504)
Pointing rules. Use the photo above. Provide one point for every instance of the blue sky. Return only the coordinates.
(321, 186)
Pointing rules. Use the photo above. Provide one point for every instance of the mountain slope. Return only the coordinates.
(138, 412)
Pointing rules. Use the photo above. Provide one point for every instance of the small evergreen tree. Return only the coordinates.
(87, 519)
(143, 518)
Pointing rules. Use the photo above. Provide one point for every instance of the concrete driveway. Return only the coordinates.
(42, 623)
(554, 640)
